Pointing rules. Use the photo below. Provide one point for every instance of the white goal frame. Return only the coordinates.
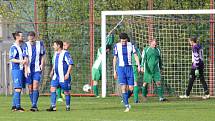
(135, 12)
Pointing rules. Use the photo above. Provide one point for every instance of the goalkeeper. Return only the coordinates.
(151, 65)
(197, 68)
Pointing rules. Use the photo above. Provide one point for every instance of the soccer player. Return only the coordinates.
(62, 68)
(60, 93)
(197, 69)
(96, 69)
(123, 54)
(151, 65)
(136, 75)
(16, 56)
(36, 60)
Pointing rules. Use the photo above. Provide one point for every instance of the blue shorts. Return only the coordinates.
(33, 76)
(18, 79)
(125, 75)
(66, 85)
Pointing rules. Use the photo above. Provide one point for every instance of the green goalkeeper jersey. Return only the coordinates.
(151, 60)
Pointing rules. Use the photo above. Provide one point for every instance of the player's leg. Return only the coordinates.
(130, 80)
(147, 78)
(36, 81)
(59, 96)
(96, 76)
(190, 83)
(18, 77)
(123, 84)
(29, 82)
(136, 89)
(204, 84)
(157, 78)
(66, 86)
(54, 85)
(144, 90)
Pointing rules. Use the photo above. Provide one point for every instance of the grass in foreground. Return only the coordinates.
(111, 109)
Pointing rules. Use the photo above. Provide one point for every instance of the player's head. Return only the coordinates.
(124, 38)
(66, 45)
(31, 36)
(18, 36)
(108, 48)
(58, 45)
(192, 40)
(152, 43)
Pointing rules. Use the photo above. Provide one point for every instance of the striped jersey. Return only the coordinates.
(197, 56)
(16, 52)
(62, 61)
(35, 52)
(124, 53)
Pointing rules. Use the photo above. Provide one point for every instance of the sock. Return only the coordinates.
(14, 101)
(31, 97)
(130, 93)
(59, 93)
(68, 100)
(53, 99)
(17, 99)
(136, 91)
(35, 98)
(95, 90)
(125, 99)
(160, 91)
(144, 91)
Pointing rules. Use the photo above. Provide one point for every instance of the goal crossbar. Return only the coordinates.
(104, 14)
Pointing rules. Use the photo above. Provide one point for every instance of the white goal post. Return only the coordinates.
(104, 14)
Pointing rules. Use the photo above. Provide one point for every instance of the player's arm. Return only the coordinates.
(137, 61)
(69, 61)
(160, 60)
(143, 60)
(42, 54)
(12, 58)
(114, 62)
(114, 67)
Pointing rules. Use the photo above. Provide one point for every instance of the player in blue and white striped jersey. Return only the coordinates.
(17, 62)
(123, 55)
(36, 54)
(62, 68)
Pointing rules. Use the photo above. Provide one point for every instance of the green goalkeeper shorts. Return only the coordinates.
(148, 77)
(96, 74)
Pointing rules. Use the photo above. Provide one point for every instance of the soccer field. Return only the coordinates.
(110, 109)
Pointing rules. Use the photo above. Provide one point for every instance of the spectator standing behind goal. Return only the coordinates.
(123, 54)
(197, 69)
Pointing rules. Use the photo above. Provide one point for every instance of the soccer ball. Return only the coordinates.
(86, 88)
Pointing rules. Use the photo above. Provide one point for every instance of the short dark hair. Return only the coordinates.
(59, 42)
(124, 36)
(108, 47)
(193, 39)
(16, 33)
(31, 33)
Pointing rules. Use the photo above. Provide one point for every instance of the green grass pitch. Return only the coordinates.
(111, 109)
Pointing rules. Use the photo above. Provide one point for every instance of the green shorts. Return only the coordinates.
(136, 74)
(148, 77)
(96, 74)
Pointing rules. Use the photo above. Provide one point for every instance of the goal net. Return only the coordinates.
(171, 29)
